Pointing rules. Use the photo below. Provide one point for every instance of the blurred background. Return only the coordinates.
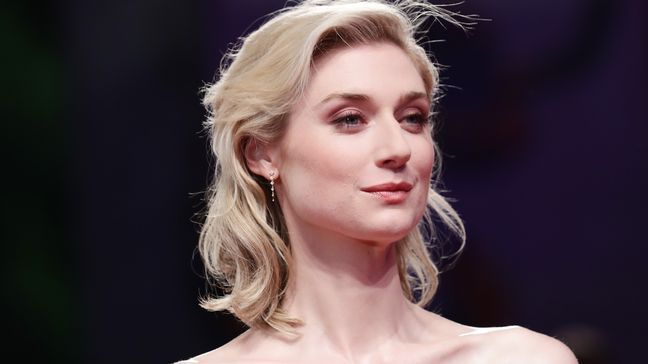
(543, 129)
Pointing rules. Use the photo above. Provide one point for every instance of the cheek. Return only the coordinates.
(315, 167)
(424, 166)
(423, 157)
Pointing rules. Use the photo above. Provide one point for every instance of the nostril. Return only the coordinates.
(394, 150)
(395, 161)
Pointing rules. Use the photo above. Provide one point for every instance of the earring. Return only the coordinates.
(272, 179)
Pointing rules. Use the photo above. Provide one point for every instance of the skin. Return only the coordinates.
(362, 123)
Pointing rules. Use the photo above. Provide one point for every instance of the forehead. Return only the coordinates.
(375, 69)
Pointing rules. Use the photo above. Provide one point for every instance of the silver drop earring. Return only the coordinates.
(272, 192)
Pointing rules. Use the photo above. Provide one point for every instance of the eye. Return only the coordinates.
(415, 121)
(415, 118)
(348, 120)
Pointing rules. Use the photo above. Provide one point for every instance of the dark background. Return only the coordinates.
(544, 121)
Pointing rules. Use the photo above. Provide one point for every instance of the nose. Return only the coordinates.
(393, 148)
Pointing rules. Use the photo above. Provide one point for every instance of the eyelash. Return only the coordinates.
(420, 118)
(344, 120)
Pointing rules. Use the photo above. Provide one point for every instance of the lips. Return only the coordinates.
(389, 187)
(392, 192)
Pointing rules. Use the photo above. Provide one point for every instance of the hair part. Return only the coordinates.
(243, 240)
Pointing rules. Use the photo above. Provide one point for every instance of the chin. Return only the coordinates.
(398, 223)
(388, 234)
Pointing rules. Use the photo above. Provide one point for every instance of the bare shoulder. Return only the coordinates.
(514, 344)
(509, 344)
(219, 355)
(250, 347)
(230, 353)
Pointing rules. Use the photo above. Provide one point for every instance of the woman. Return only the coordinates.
(320, 126)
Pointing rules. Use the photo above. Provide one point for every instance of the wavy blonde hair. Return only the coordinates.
(243, 242)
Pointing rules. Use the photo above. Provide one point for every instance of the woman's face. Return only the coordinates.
(357, 156)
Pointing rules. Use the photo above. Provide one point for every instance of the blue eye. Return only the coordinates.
(415, 122)
(415, 119)
(348, 119)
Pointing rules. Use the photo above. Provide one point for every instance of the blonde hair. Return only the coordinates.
(243, 242)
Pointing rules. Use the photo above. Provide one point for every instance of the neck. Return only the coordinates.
(348, 294)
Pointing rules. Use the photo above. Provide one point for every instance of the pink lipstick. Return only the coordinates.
(391, 193)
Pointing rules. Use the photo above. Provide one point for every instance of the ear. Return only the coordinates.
(259, 158)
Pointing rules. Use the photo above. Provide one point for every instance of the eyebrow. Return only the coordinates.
(345, 96)
(410, 96)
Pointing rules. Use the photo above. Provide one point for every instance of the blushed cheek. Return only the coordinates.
(324, 184)
(425, 170)
(426, 160)
(307, 179)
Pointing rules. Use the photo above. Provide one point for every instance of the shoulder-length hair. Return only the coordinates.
(243, 242)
